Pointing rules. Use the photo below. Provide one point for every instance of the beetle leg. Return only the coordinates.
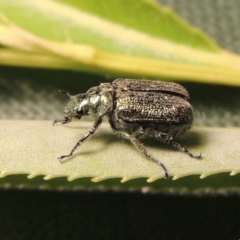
(183, 149)
(80, 142)
(63, 121)
(140, 147)
(64, 92)
(169, 140)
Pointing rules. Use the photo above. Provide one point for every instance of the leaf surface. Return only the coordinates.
(32, 147)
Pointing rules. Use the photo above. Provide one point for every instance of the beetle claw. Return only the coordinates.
(63, 121)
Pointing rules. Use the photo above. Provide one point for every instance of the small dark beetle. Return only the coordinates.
(135, 108)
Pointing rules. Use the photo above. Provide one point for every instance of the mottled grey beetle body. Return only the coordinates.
(151, 106)
(135, 108)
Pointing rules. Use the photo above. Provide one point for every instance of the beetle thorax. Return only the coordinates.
(98, 100)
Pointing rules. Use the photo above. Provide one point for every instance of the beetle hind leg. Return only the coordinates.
(140, 147)
(169, 140)
(184, 149)
(166, 138)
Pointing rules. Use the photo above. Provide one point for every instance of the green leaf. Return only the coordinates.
(137, 38)
(32, 148)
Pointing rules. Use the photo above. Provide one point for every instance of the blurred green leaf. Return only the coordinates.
(137, 38)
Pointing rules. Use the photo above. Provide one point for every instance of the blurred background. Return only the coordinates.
(27, 93)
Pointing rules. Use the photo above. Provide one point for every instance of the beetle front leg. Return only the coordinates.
(139, 146)
(80, 142)
(63, 121)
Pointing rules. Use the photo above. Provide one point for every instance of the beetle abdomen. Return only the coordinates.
(153, 107)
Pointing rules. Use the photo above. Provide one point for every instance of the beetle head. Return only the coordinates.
(96, 101)
(72, 109)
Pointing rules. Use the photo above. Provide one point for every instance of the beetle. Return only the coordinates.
(135, 108)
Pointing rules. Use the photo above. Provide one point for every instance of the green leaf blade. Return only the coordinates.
(147, 35)
(32, 147)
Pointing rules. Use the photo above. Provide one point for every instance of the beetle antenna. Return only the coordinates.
(64, 92)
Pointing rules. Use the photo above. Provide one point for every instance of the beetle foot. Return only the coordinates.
(63, 158)
(197, 156)
(63, 121)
